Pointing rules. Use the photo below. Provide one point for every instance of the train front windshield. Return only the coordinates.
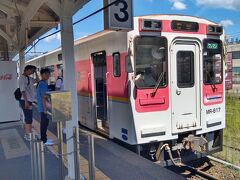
(150, 62)
(212, 62)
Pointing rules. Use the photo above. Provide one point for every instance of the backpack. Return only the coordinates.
(18, 93)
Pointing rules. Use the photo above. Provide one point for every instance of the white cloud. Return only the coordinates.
(53, 38)
(227, 23)
(226, 4)
(178, 5)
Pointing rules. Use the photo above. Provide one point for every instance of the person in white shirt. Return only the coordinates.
(26, 85)
(59, 83)
(59, 86)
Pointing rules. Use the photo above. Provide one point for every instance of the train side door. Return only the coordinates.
(100, 90)
(185, 89)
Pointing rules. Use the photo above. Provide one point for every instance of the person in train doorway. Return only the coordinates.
(59, 82)
(42, 88)
(59, 86)
(26, 86)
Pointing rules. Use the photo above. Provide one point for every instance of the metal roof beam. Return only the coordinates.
(9, 11)
(79, 4)
(7, 21)
(11, 5)
(8, 3)
(54, 5)
(20, 22)
(44, 23)
(38, 34)
(32, 9)
(6, 37)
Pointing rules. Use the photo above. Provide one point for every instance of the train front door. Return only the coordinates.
(185, 86)
(100, 91)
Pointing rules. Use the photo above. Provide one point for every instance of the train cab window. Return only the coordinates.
(185, 69)
(60, 57)
(212, 62)
(116, 65)
(150, 62)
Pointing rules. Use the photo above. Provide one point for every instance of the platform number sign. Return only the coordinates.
(119, 15)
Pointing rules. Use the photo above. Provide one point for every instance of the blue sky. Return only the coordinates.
(226, 12)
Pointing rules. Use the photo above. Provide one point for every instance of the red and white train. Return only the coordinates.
(160, 86)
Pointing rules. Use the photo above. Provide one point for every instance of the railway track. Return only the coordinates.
(189, 171)
(207, 168)
(199, 174)
(199, 171)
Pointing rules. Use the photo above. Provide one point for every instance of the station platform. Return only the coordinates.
(15, 157)
(112, 160)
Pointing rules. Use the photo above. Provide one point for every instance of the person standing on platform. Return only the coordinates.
(42, 88)
(26, 86)
(60, 87)
(59, 83)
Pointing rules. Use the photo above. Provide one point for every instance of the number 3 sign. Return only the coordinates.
(119, 15)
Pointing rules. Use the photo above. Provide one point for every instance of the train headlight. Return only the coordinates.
(150, 25)
(211, 29)
(147, 24)
(215, 30)
(157, 25)
(219, 29)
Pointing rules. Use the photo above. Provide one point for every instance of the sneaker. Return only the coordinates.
(27, 137)
(64, 130)
(48, 143)
(50, 140)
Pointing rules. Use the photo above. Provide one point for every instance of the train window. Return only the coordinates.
(60, 57)
(185, 26)
(185, 69)
(116, 65)
(212, 62)
(150, 62)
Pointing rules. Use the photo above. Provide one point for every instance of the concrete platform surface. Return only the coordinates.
(119, 163)
(15, 158)
(112, 160)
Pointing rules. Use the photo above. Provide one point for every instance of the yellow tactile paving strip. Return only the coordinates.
(99, 175)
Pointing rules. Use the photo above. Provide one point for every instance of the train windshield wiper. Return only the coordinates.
(161, 76)
(213, 85)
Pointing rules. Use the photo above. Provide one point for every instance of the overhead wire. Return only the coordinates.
(78, 21)
(236, 33)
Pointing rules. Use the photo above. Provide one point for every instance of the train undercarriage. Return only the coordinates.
(186, 148)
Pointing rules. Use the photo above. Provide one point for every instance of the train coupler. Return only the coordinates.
(152, 152)
(195, 143)
(166, 147)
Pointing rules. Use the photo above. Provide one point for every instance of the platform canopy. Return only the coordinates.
(23, 21)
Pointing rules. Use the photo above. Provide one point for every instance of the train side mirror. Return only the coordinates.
(128, 64)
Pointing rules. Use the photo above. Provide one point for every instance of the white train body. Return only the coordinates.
(162, 81)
